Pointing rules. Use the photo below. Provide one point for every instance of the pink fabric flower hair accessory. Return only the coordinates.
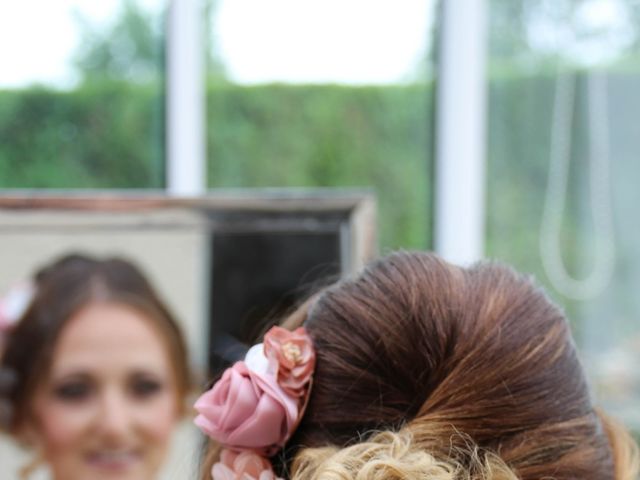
(257, 404)
(245, 465)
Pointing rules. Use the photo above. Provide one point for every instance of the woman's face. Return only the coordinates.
(109, 403)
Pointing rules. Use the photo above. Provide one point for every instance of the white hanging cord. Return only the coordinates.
(554, 204)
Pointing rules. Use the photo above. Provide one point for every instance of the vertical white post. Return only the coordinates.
(459, 226)
(186, 171)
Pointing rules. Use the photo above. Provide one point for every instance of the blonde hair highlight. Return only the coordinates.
(626, 456)
(394, 456)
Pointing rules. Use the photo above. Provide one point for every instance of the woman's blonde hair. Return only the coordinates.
(394, 456)
(426, 370)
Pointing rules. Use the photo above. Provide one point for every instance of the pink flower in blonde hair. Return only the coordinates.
(244, 465)
(257, 404)
(247, 410)
(294, 355)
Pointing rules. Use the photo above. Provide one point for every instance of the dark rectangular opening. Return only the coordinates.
(257, 278)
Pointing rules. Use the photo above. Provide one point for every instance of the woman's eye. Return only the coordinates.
(142, 388)
(72, 392)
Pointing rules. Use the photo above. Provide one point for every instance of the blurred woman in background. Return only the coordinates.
(95, 372)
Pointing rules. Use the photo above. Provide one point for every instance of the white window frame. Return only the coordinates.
(459, 183)
(186, 99)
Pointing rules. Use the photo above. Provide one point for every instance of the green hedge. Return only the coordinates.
(321, 136)
(100, 136)
(110, 135)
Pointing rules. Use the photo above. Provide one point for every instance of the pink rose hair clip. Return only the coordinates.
(257, 404)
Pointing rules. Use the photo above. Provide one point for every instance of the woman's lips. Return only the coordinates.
(114, 460)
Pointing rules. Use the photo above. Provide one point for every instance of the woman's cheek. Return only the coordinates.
(64, 425)
(159, 417)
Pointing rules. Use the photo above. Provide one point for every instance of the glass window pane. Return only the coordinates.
(81, 99)
(319, 93)
(563, 171)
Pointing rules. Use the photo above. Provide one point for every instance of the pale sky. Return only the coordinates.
(341, 41)
(338, 41)
(597, 32)
(38, 38)
(296, 41)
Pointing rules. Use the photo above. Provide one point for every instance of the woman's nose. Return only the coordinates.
(115, 415)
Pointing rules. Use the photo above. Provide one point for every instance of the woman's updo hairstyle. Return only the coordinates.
(61, 290)
(430, 371)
